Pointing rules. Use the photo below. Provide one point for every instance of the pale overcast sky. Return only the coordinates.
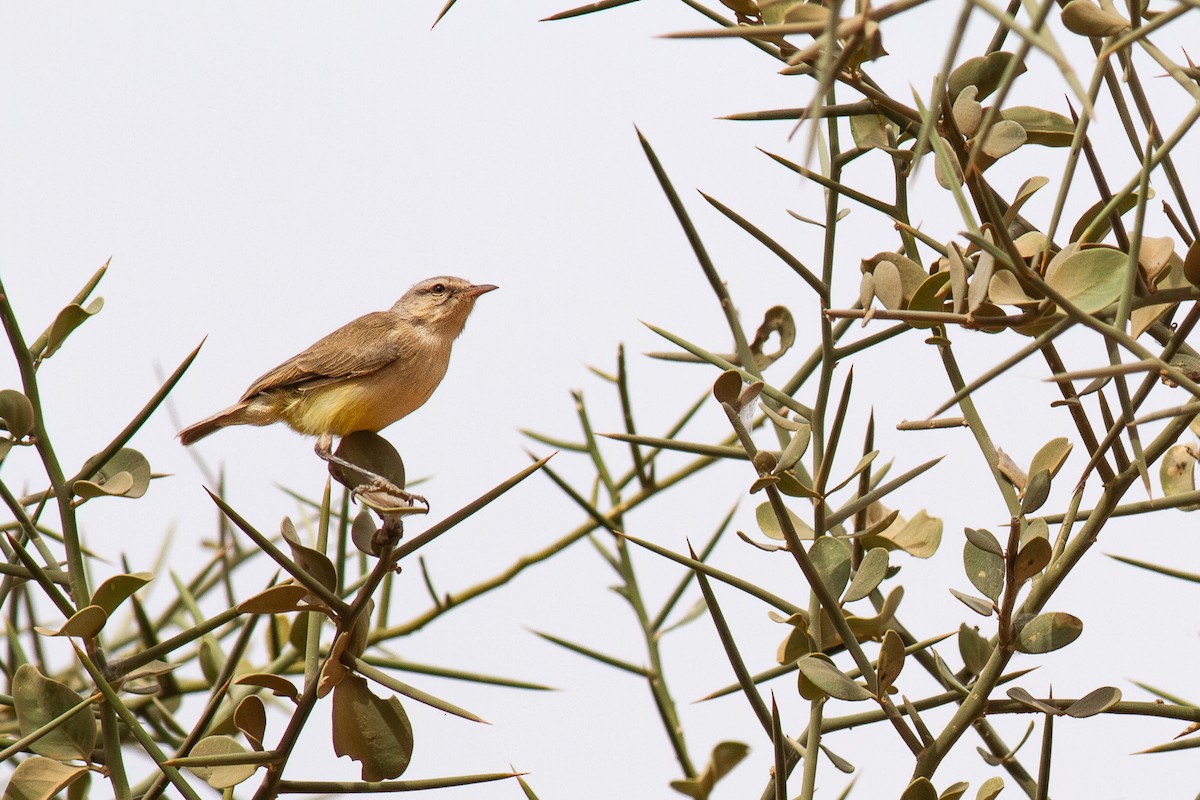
(261, 173)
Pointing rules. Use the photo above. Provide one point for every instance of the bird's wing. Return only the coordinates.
(358, 348)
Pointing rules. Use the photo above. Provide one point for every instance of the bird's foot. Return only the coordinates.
(371, 488)
(383, 495)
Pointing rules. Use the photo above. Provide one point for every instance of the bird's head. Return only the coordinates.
(442, 303)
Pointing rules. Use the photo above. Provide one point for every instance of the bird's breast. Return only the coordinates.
(369, 402)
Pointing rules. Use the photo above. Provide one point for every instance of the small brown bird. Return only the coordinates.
(362, 377)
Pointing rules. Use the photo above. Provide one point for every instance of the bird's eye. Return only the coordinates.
(438, 288)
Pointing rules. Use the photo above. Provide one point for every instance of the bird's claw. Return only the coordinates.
(385, 496)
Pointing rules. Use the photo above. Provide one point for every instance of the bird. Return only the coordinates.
(362, 377)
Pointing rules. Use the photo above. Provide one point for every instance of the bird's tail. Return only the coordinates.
(234, 415)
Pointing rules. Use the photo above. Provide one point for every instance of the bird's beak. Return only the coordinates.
(475, 291)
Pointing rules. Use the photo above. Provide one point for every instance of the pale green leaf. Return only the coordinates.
(220, 776)
(829, 679)
(1091, 279)
(1047, 632)
(38, 700)
(768, 523)
(871, 572)
(39, 778)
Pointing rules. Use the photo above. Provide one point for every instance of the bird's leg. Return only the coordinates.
(324, 450)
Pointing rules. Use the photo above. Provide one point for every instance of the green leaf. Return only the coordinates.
(117, 589)
(145, 679)
(1088, 19)
(115, 485)
(976, 604)
(1051, 457)
(990, 788)
(38, 700)
(67, 321)
(871, 572)
(220, 776)
(371, 452)
(983, 72)
(84, 624)
(930, 296)
(1091, 279)
(796, 644)
(1124, 206)
(774, 11)
(1041, 126)
(1191, 263)
(1004, 289)
(212, 657)
(868, 628)
(804, 12)
(839, 763)
(888, 287)
(947, 676)
(830, 680)
(280, 687)
(831, 557)
(974, 649)
(768, 523)
(792, 486)
(362, 532)
(16, 412)
(1176, 473)
(1036, 529)
(725, 756)
(127, 474)
(985, 570)
(985, 268)
(866, 290)
(1036, 493)
(1003, 138)
(786, 423)
(1033, 242)
(891, 660)
(745, 7)
(1157, 256)
(80, 789)
(1029, 701)
(1032, 559)
(250, 717)
(910, 274)
(919, 537)
(877, 526)
(1094, 702)
(314, 562)
(956, 267)
(870, 131)
(795, 450)
(1047, 632)
(152, 669)
(371, 730)
(809, 690)
(920, 789)
(954, 791)
(984, 540)
(967, 111)
(275, 600)
(40, 778)
(1167, 276)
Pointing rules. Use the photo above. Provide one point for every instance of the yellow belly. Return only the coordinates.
(339, 410)
(367, 403)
